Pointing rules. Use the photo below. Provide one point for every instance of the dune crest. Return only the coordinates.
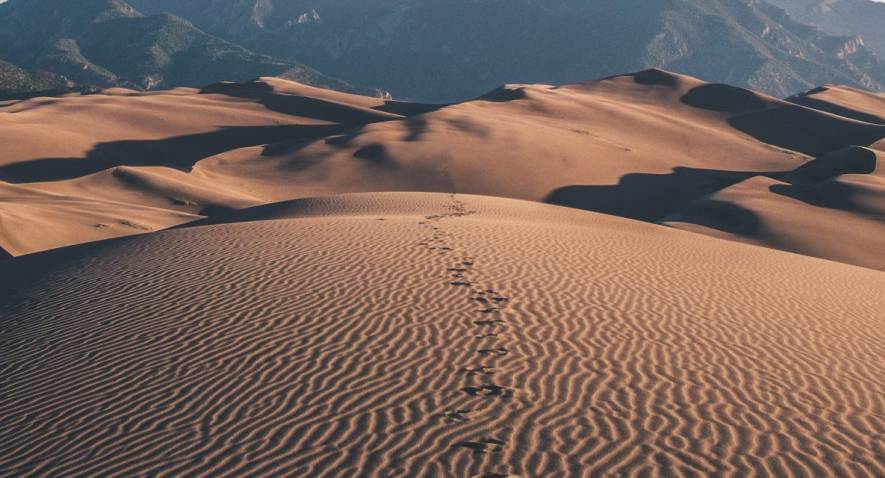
(417, 334)
(651, 146)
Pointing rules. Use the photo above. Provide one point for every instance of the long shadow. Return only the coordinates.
(180, 152)
(297, 105)
(404, 108)
(785, 125)
(651, 197)
(830, 195)
(721, 215)
(811, 183)
(836, 109)
(851, 160)
(725, 98)
(805, 130)
(680, 195)
(655, 77)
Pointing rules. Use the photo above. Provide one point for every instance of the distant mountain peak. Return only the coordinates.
(443, 51)
(103, 43)
(437, 51)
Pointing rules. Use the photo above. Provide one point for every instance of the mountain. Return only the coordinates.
(437, 50)
(102, 43)
(15, 82)
(862, 18)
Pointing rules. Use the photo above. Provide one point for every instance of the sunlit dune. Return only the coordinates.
(653, 146)
(419, 334)
(645, 275)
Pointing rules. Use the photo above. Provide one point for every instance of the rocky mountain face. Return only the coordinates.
(442, 50)
(445, 50)
(102, 43)
(16, 82)
(864, 18)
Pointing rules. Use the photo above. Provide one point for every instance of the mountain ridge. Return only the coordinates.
(108, 43)
(450, 51)
(862, 18)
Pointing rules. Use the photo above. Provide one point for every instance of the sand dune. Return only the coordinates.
(832, 207)
(409, 334)
(845, 101)
(122, 157)
(647, 146)
(650, 146)
(35, 220)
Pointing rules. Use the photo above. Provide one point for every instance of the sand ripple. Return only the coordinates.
(368, 336)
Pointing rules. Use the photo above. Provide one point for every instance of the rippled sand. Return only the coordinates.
(417, 334)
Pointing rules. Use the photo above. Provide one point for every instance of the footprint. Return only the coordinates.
(480, 370)
(489, 323)
(460, 283)
(486, 445)
(497, 351)
(488, 391)
(456, 416)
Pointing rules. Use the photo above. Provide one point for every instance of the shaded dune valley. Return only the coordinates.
(646, 275)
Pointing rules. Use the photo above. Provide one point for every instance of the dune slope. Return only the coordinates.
(647, 146)
(409, 334)
(83, 165)
(845, 101)
(832, 207)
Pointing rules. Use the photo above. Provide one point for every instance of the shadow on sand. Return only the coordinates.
(650, 197)
(784, 124)
(316, 108)
(180, 152)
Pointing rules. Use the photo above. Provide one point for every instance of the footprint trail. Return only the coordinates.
(490, 309)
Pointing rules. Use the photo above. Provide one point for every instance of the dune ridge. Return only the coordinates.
(831, 207)
(844, 101)
(418, 334)
(650, 146)
(653, 146)
(85, 166)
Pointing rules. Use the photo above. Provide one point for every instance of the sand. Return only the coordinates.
(80, 168)
(268, 279)
(417, 334)
(833, 207)
(845, 101)
(650, 146)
